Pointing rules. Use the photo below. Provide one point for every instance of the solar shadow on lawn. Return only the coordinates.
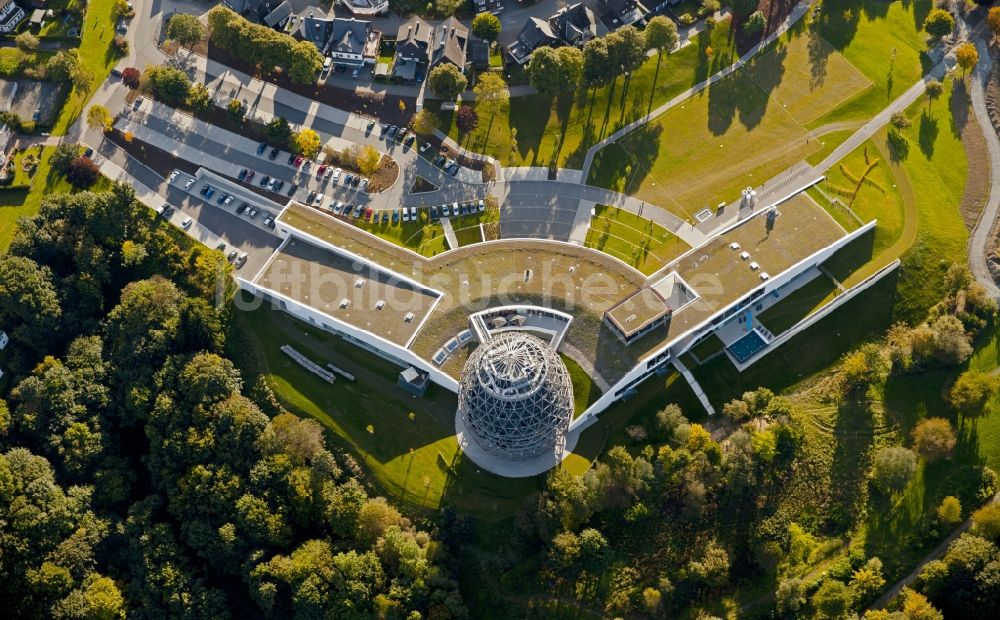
(742, 131)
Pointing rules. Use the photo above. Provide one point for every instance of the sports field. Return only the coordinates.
(741, 131)
(645, 245)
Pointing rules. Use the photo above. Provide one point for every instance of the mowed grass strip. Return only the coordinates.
(641, 243)
(585, 391)
(97, 54)
(739, 133)
(562, 128)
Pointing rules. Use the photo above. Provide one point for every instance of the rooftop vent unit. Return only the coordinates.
(764, 276)
(734, 245)
(408, 317)
(344, 303)
(380, 304)
(359, 283)
(754, 266)
(744, 255)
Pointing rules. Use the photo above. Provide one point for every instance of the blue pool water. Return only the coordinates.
(745, 348)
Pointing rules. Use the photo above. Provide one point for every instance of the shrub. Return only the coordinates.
(934, 439)
(950, 511)
(986, 522)
(894, 466)
(939, 23)
(755, 23)
(83, 172)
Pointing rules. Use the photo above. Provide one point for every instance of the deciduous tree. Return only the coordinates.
(967, 56)
(939, 23)
(894, 467)
(486, 26)
(446, 81)
(466, 119)
(934, 439)
(307, 142)
(186, 29)
(368, 160)
(661, 34)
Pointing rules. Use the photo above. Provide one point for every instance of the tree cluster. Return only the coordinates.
(138, 479)
(269, 48)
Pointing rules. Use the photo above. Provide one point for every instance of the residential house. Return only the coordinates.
(420, 47)
(449, 43)
(479, 53)
(254, 10)
(353, 42)
(622, 12)
(318, 30)
(366, 7)
(488, 6)
(571, 25)
(278, 16)
(11, 14)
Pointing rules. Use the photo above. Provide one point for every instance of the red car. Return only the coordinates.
(368, 214)
(321, 170)
(298, 161)
(249, 176)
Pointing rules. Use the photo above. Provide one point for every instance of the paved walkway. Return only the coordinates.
(449, 233)
(797, 13)
(581, 223)
(980, 237)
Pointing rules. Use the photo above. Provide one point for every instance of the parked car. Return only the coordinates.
(253, 212)
(453, 169)
(173, 175)
(358, 209)
(291, 190)
(455, 209)
(364, 185)
(274, 154)
(264, 180)
(221, 199)
(138, 103)
(240, 259)
(204, 189)
(440, 160)
(272, 184)
(318, 200)
(406, 214)
(189, 183)
(291, 158)
(413, 214)
(425, 146)
(444, 211)
(243, 207)
(348, 178)
(338, 207)
(355, 181)
(333, 174)
(269, 221)
(210, 192)
(321, 170)
(297, 162)
(232, 255)
(278, 187)
(310, 197)
(368, 214)
(242, 175)
(261, 148)
(306, 165)
(228, 201)
(186, 223)
(385, 217)
(434, 214)
(482, 205)
(409, 141)
(395, 217)
(249, 176)
(167, 211)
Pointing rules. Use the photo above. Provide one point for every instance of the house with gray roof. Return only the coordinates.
(353, 42)
(278, 16)
(420, 47)
(571, 25)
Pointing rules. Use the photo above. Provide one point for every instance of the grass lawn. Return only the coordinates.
(563, 128)
(934, 162)
(14, 204)
(884, 41)
(798, 304)
(13, 62)
(469, 234)
(97, 54)
(642, 243)
(878, 197)
(742, 131)
(585, 391)
(424, 237)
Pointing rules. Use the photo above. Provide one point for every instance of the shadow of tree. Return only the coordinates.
(959, 105)
(928, 133)
(897, 145)
(819, 57)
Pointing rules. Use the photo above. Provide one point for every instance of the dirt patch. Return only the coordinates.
(977, 184)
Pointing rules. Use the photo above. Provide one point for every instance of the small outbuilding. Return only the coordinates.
(413, 381)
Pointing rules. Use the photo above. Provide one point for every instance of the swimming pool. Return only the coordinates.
(747, 346)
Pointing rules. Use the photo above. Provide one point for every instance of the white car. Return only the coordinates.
(406, 214)
(425, 146)
(186, 223)
(455, 209)
(363, 186)
(444, 211)
(173, 175)
(333, 173)
(482, 205)
(413, 214)
(189, 183)
(228, 201)
(318, 200)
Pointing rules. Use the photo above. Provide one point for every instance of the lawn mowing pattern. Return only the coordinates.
(734, 134)
(870, 202)
(97, 54)
(585, 391)
(563, 128)
(645, 245)
(798, 304)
